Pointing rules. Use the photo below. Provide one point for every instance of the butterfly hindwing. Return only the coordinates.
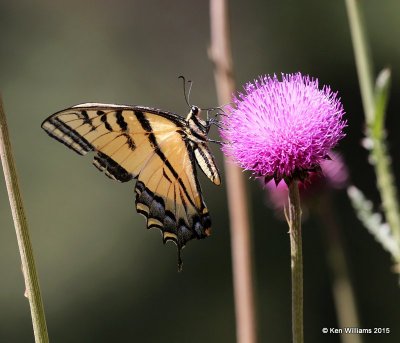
(168, 193)
(150, 145)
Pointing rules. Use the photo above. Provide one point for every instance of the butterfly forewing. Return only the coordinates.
(150, 145)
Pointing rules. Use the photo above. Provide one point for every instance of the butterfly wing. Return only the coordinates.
(168, 194)
(206, 162)
(147, 144)
(114, 132)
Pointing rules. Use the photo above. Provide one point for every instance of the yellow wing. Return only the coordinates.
(147, 144)
(168, 194)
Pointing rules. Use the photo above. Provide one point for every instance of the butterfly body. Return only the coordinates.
(158, 148)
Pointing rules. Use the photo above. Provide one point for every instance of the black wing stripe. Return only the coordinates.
(195, 179)
(184, 203)
(207, 161)
(67, 131)
(80, 152)
(166, 176)
(129, 141)
(176, 207)
(120, 120)
(106, 163)
(153, 141)
(103, 118)
(143, 121)
(86, 119)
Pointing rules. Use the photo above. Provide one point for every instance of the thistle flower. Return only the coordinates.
(283, 129)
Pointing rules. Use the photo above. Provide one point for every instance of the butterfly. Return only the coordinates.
(157, 148)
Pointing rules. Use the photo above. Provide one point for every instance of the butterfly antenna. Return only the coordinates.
(186, 95)
(190, 89)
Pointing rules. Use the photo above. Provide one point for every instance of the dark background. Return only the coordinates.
(104, 278)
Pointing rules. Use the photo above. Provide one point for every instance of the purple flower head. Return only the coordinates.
(283, 129)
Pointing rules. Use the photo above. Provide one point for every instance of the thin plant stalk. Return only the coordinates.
(362, 56)
(293, 217)
(221, 56)
(374, 114)
(343, 291)
(32, 289)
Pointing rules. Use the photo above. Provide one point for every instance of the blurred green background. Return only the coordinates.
(104, 278)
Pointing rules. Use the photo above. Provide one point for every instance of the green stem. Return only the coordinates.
(32, 290)
(385, 182)
(374, 117)
(362, 56)
(293, 216)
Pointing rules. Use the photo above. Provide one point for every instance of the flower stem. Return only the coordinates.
(362, 56)
(293, 217)
(32, 290)
(220, 55)
(374, 116)
(387, 189)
